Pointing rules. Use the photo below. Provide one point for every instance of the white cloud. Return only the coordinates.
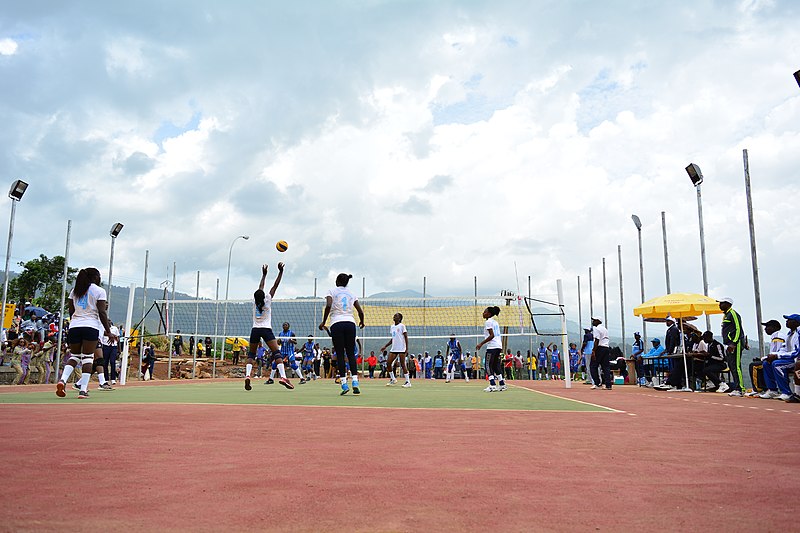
(8, 47)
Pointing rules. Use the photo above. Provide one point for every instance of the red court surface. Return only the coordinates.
(668, 462)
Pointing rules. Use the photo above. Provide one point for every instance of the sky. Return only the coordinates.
(406, 140)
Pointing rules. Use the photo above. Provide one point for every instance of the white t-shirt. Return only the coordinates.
(398, 340)
(86, 315)
(497, 341)
(600, 334)
(342, 305)
(106, 341)
(264, 318)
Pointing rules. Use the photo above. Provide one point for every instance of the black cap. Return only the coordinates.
(773, 323)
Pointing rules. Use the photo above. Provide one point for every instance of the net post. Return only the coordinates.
(564, 338)
(128, 322)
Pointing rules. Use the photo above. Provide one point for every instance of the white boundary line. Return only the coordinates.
(569, 399)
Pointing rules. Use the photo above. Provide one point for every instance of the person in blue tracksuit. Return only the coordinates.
(778, 366)
(542, 357)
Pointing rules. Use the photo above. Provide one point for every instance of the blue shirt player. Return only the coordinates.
(555, 362)
(542, 356)
(308, 358)
(453, 352)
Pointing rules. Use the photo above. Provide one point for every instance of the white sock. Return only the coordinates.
(391, 376)
(247, 369)
(355, 381)
(101, 377)
(84, 381)
(68, 369)
(299, 372)
(282, 370)
(272, 374)
(408, 377)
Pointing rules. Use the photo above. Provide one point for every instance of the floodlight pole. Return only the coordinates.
(702, 248)
(621, 299)
(753, 254)
(666, 251)
(638, 224)
(605, 295)
(227, 287)
(16, 192)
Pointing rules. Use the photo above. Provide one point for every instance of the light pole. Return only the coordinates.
(16, 192)
(227, 286)
(797, 77)
(753, 253)
(115, 229)
(638, 224)
(697, 178)
(666, 252)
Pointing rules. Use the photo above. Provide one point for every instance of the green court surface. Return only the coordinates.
(324, 393)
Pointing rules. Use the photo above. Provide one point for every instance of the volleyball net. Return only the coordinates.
(430, 321)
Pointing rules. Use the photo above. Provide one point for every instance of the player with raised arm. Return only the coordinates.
(339, 305)
(453, 353)
(87, 309)
(398, 350)
(494, 345)
(262, 328)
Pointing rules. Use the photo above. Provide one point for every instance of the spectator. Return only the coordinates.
(207, 341)
(733, 339)
(382, 359)
(110, 352)
(574, 360)
(191, 345)
(778, 366)
(428, 366)
(150, 359)
(518, 365)
(438, 365)
(672, 338)
(200, 349)
(260, 353)
(372, 362)
(601, 355)
(36, 364)
(411, 365)
(586, 349)
(19, 360)
(542, 356)
(177, 344)
(508, 365)
(555, 361)
(468, 364)
(653, 361)
(619, 363)
(711, 368)
(637, 352)
(476, 365)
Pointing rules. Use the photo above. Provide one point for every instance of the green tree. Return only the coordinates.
(40, 282)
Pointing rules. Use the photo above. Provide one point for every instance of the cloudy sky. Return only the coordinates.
(397, 140)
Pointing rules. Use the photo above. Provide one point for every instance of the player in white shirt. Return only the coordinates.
(494, 346)
(89, 317)
(262, 328)
(399, 349)
(339, 305)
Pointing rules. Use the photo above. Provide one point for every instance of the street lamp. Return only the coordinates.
(115, 229)
(16, 192)
(638, 224)
(697, 179)
(227, 286)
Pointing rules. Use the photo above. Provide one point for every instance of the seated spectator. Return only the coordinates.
(710, 368)
(779, 366)
(652, 361)
(756, 367)
(619, 363)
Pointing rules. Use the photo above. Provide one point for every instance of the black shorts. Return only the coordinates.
(80, 334)
(256, 334)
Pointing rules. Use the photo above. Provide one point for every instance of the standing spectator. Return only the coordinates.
(177, 344)
(412, 366)
(191, 345)
(733, 339)
(260, 353)
(237, 350)
(468, 365)
(601, 356)
(110, 352)
(209, 353)
(372, 362)
(542, 357)
(326, 362)
(438, 365)
(518, 365)
(672, 338)
(508, 365)
(382, 359)
(428, 366)
(17, 353)
(36, 364)
(49, 349)
(637, 352)
(586, 349)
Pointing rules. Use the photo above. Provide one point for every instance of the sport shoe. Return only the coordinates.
(769, 395)
(303, 381)
(784, 397)
(356, 390)
(736, 393)
(466, 380)
(105, 386)
(593, 387)
(723, 387)
(83, 394)
(247, 384)
(407, 385)
(60, 389)
(794, 398)
(502, 388)
(345, 389)
(447, 381)
(270, 381)
(286, 383)
(391, 382)
(752, 394)
(490, 388)
(76, 386)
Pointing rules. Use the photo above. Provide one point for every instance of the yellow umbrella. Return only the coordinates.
(243, 342)
(678, 305)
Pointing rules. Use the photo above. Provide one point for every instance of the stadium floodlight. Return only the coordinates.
(16, 192)
(697, 178)
(227, 286)
(116, 229)
(638, 224)
(797, 77)
(695, 174)
(114, 232)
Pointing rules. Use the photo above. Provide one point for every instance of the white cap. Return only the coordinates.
(726, 299)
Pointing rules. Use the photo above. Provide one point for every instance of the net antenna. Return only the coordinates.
(548, 330)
